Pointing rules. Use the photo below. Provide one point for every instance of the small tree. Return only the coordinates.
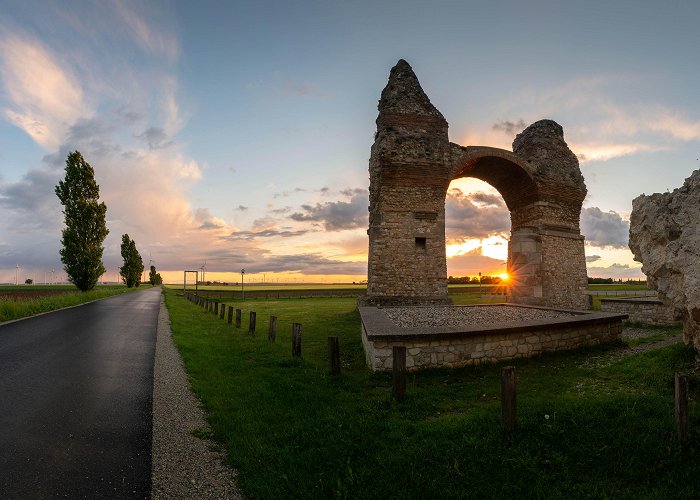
(152, 275)
(159, 279)
(85, 223)
(29, 281)
(133, 264)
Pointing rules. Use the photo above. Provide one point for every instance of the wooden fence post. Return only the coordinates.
(216, 308)
(272, 330)
(238, 318)
(296, 340)
(333, 355)
(230, 314)
(508, 403)
(251, 323)
(681, 394)
(222, 311)
(398, 372)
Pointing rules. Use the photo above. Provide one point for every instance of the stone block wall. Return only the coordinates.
(473, 349)
(641, 310)
(564, 279)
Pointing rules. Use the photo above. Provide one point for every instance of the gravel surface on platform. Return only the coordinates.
(184, 466)
(413, 317)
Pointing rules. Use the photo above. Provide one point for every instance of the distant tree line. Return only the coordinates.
(474, 280)
(610, 281)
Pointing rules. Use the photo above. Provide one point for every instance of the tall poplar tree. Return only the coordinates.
(86, 228)
(133, 264)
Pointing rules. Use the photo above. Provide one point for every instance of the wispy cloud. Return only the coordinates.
(604, 126)
(155, 137)
(615, 270)
(44, 96)
(474, 215)
(263, 233)
(509, 128)
(337, 215)
(604, 229)
(207, 221)
(602, 152)
(149, 36)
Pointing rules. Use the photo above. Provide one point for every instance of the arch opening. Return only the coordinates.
(477, 231)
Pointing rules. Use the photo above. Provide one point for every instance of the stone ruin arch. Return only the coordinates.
(411, 166)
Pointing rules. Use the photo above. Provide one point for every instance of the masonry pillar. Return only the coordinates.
(409, 175)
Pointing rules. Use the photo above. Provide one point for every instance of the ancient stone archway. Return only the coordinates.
(411, 166)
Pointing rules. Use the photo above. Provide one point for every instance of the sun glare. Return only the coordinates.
(503, 276)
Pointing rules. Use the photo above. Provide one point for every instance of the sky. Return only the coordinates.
(236, 135)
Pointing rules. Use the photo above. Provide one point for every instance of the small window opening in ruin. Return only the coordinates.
(420, 243)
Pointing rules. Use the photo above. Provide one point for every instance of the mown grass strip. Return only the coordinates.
(294, 431)
(11, 309)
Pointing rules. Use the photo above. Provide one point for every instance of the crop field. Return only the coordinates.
(16, 293)
(27, 300)
(592, 423)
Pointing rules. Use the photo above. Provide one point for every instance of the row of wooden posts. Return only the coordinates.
(508, 394)
(399, 371)
(509, 413)
(220, 310)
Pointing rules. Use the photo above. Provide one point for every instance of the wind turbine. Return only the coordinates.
(203, 268)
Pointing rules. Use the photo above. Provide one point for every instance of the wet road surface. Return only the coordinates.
(76, 391)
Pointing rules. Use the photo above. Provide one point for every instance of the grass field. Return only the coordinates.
(587, 428)
(69, 296)
(619, 286)
(271, 287)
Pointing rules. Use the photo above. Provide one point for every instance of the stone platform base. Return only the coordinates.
(439, 343)
(641, 310)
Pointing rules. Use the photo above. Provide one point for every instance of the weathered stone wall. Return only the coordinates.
(665, 238)
(646, 310)
(464, 350)
(564, 279)
(411, 166)
(408, 175)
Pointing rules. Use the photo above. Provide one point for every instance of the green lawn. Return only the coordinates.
(294, 431)
(11, 309)
(619, 286)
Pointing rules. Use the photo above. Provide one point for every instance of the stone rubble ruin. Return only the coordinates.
(411, 166)
(665, 238)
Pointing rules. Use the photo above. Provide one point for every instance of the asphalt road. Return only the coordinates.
(76, 393)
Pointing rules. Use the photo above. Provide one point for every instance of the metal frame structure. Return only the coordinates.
(196, 282)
